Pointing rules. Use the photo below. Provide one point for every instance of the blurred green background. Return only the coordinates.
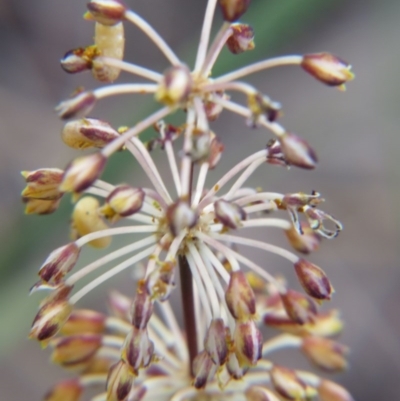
(355, 134)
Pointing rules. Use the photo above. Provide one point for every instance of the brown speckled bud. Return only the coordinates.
(79, 105)
(107, 12)
(216, 149)
(259, 105)
(203, 369)
(240, 297)
(299, 307)
(215, 343)
(330, 391)
(306, 242)
(327, 68)
(229, 214)
(76, 60)
(248, 343)
(242, 38)
(313, 279)
(256, 393)
(175, 86)
(232, 10)
(76, 349)
(59, 263)
(119, 382)
(86, 219)
(84, 321)
(82, 172)
(180, 216)
(142, 307)
(326, 354)
(298, 152)
(43, 184)
(161, 281)
(138, 349)
(88, 133)
(67, 390)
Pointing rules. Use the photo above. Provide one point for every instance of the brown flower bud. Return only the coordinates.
(138, 349)
(216, 149)
(181, 216)
(67, 390)
(232, 10)
(142, 307)
(297, 151)
(215, 343)
(161, 281)
(82, 172)
(330, 391)
(326, 354)
(242, 38)
(259, 105)
(175, 87)
(248, 343)
(313, 279)
(76, 349)
(240, 297)
(203, 369)
(299, 307)
(327, 68)
(78, 60)
(119, 305)
(43, 184)
(107, 12)
(59, 263)
(39, 206)
(79, 105)
(84, 321)
(306, 242)
(256, 393)
(229, 214)
(119, 382)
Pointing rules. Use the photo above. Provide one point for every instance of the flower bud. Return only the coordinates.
(326, 354)
(107, 12)
(234, 369)
(240, 297)
(232, 10)
(330, 391)
(248, 343)
(216, 149)
(203, 369)
(142, 307)
(242, 38)
(297, 151)
(275, 154)
(229, 214)
(59, 263)
(78, 60)
(84, 321)
(79, 105)
(39, 206)
(82, 172)
(257, 393)
(180, 216)
(119, 382)
(306, 242)
(67, 390)
(201, 142)
(215, 343)
(43, 184)
(327, 68)
(299, 307)
(161, 281)
(138, 349)
(259, 105)
(316, 219)
(74, 350)
(175, 86)
(86, 219)
(119, 304)
(313, 279)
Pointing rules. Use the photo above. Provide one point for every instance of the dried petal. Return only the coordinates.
(260, 105)
(229, 214)
(43, 184)
(316, 219)
(232, 10)
(161, 281)
(242, 38)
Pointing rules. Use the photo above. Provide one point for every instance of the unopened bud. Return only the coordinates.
(229, 214)
(181, 216)
(258, 393)
(216, 149)
(161, 281)
(142, 307)
(60, 262)
(138, 349)
(313, 279)
(43, 184)
(316, 218)
(175, 86)
(215, 343)
(107, 12)
(326, 354)
(299, 307)
(240, 297)
(39, 206)
(86, 219)
(79, 105)
(275, 154)
(82, 172)
(232, 10)
(84, 321)
(330, 391)
(297, 151)
(119, 382)
(234, 369)
(78, 60)
(260, 105)
(67, 390)
(242, 38)
(327, 68)
(306, 242)
(248, 343)
(203, 369)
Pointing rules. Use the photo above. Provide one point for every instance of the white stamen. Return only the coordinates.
(122, 89)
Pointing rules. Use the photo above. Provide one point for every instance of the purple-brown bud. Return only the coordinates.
(275, 154)
(326, 354)
(242, 38)
(107, 12)
(306, 242)
(327, 68)
(78, 60)
(175, 86)
(142, 307)
(181, 216)
(297, 151)
(216, 149)
(240, 297)
(39, 206)
(84, 321)
(138, 349)
(330, 391)
(232, 10)
(67, 390)
(260, 105)
(229, 214)
(119, 382)
(203, 369)
(59, 263)
(79, 105)
(215, 343)
(234, 369)
(313, 279)
(299, 307)
(43, 184)
(248, 343)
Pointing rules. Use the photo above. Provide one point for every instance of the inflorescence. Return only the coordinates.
(139, 351)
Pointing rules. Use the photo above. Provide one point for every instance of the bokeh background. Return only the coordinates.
(355, 133)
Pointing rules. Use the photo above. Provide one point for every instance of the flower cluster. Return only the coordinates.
(140, 352)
